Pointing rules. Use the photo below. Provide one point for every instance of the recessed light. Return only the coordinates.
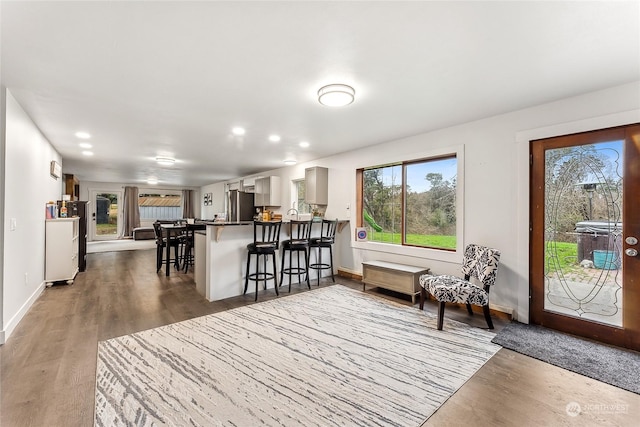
(336, 95)
(152, 181)
(304, 144)
(165, 161)
(238, 131)
(274, 138)
(85, 145)
(83, 135)
(87, 153)
(290, 162)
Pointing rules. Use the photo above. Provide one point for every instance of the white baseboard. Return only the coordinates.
(15, 320)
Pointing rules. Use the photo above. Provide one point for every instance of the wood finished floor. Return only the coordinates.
(48, 364)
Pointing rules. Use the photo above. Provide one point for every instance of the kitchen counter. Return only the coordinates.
(221, 256)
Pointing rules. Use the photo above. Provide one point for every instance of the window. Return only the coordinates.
(411, 203)
(300, 204)
(159, 206)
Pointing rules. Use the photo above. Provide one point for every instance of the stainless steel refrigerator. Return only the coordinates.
(241, 207)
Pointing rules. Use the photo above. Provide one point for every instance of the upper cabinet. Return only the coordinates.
(71, 186)
(316, 181)
(267, 191)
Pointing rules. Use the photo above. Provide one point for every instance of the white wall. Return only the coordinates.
(28, 187)
(496, 173)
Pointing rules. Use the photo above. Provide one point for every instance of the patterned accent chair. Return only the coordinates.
(479, 262)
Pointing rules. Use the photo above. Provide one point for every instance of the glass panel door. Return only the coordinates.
(106, 214)
(584, 276)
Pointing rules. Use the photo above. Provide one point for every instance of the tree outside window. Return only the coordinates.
(412, 203)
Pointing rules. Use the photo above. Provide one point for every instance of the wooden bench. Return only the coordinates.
(395, 277)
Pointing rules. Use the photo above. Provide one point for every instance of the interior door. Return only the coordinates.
(585, 227)
(106, 214)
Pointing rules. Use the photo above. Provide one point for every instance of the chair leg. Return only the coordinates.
(469, 310)
(440, 315)
(331, 263)
(319, 259)
(487, 315)
(246, 277)
(275, 275)
(423, 296)
(307, 254)
(282, 272)
(158, 258)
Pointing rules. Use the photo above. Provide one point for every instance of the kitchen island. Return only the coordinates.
(221, 256)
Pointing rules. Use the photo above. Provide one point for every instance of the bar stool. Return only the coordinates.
(162, 245)
(326, 240)
(300, 232)
(266, 239)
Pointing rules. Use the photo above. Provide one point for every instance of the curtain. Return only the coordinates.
(188, 210)
(131, 211)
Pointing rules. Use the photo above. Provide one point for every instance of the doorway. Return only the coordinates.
(585, 227)
(106, 214)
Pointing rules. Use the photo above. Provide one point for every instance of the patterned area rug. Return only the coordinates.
(332, 356)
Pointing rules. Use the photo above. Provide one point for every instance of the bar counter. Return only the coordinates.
(221, 256)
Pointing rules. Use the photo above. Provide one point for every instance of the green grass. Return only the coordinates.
(434, 241)
(561, 255)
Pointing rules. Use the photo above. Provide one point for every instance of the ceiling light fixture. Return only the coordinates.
(165, 161)
(304, 144)
(290, 162)
(85, 145)
(274, 138)
(83, 135)
(152, 181)
(238, 131)
(87, 153)
(336, 95)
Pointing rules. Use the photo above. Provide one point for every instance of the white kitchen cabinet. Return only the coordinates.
(61, 250)
(316, 181)
(267, 191)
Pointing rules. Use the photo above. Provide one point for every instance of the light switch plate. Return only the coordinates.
(13, 224)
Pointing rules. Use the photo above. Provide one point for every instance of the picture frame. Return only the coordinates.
(208, 199)
(55, 169)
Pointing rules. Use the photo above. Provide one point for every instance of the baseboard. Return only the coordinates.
(15, 320)
(354, 275)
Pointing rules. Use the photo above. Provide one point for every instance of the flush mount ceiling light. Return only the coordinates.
(85, 145)
(290, 162)
(87, 153)
(83, 135)
(238, 131)
(165, 161)
(274, 138)
(336, 95)
(304, 144)
(152, 181)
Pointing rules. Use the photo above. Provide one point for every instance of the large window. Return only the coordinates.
(411, 203)
(159, 205)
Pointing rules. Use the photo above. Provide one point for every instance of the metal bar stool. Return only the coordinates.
(326, 240)
(266, 239)
(300, 232)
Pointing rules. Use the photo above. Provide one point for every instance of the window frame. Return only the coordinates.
(446, 255)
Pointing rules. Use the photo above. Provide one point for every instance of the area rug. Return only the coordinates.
(601, 362)
(119, 245)
(329, 357)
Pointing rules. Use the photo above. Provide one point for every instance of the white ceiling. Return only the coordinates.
(152, 78)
